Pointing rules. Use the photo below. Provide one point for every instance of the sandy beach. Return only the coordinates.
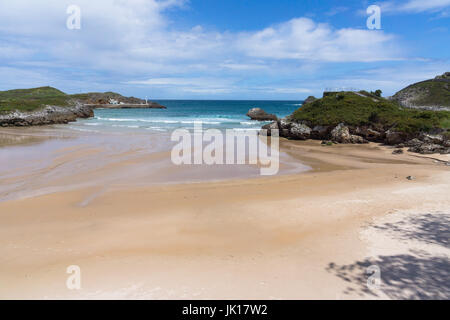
(304, 235)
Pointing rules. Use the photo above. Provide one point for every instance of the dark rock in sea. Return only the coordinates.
(260, 115)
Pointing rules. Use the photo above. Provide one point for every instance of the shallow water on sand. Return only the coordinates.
(36, 161)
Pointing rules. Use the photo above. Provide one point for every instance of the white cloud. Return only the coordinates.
(414, 6)
(133, 43)
(421, 5)
(303, 39)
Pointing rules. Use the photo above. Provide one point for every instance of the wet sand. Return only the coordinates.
(283, 237)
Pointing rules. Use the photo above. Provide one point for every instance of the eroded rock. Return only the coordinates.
(341, 134)
(299, 131)
(260, 115)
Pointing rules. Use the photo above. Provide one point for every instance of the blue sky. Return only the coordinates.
(222, 49)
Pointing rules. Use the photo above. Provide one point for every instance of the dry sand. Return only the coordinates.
(298, 236)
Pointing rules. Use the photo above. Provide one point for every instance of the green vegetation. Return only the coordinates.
(377, 93)
(426, 93)
(32, 99)
(27, 100)
(359, 109)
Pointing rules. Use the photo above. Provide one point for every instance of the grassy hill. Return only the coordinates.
(365, 109)
(27, 100)
(429, 93)
(31, 99)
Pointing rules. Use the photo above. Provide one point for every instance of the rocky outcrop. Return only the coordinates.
(429, 148)
(341, 134)
(299, 131)
(369, 133)
(427, 144)
(260, 115)
(424, 143)
(310, 99)
(320, 132)
(267, 129)
(46, 116)
(393, 137)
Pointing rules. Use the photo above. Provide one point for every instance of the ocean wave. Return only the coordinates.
(191, 121)
(244, 123)
(246, 129)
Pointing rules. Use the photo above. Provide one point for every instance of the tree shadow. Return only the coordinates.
(404, 276)
(432, 228)
(412, 275)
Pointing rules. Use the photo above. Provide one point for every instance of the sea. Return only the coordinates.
(219, 114)
(120, 147)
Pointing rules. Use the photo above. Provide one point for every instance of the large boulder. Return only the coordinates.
(299, 131)
(320, 132)
(394, 137)
(260, 115)
(267, 129)
(432, 138)
(413, 143)
(284, 125)
(429, 148)
(341, 134)
(368, 133)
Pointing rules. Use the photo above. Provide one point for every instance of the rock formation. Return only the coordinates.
(260, 115)
(46, 116)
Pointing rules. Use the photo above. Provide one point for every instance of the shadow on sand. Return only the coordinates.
(413, 275)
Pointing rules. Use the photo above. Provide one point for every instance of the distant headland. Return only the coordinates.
(47, 105)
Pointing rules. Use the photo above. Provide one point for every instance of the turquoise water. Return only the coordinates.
(183, 114)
